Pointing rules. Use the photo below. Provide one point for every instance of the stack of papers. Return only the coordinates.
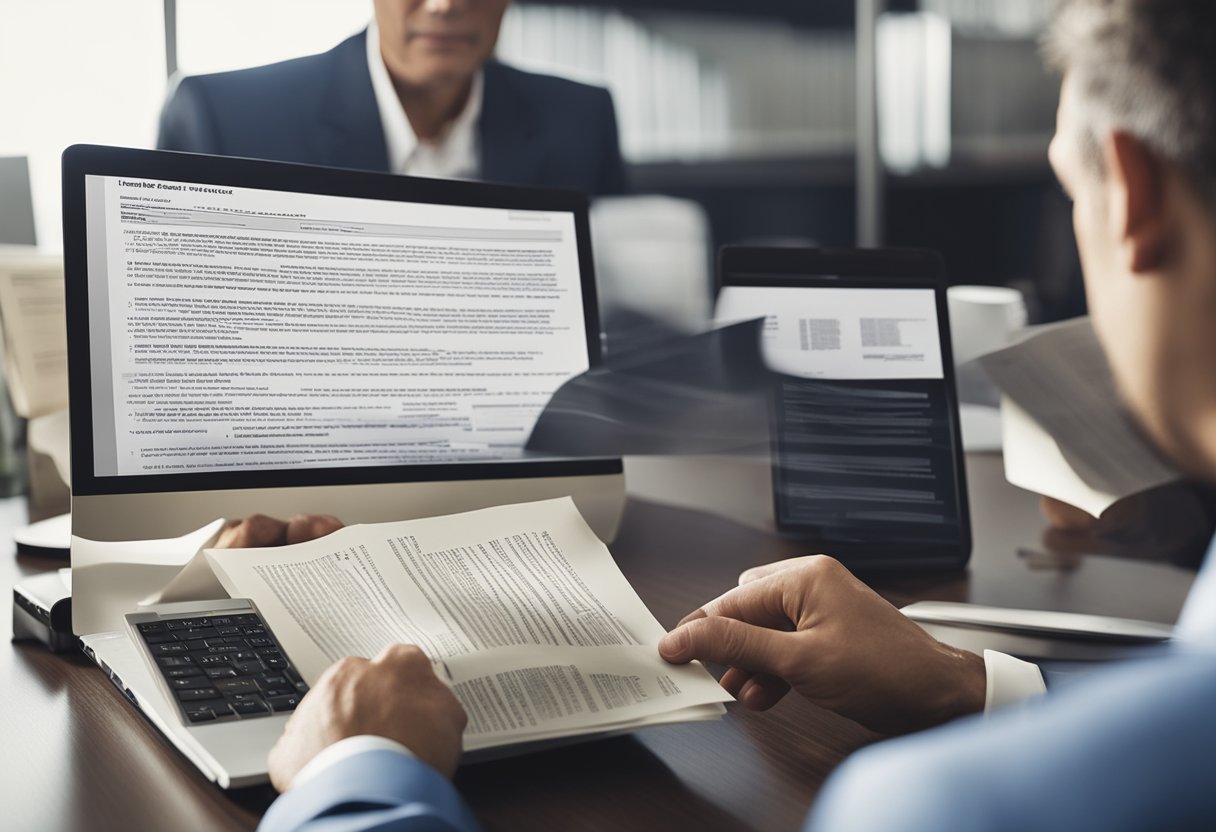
(521, 608)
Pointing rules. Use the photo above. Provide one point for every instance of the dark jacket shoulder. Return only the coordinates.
(289, 111)
(534, 129)
(561, 133)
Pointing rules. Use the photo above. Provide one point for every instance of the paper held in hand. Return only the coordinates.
(521, 608)
(1066, 432)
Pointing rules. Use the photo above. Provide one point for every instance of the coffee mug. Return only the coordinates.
(983, 319)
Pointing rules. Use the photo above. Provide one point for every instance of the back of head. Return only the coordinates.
(1147, 68)
(1135, 147)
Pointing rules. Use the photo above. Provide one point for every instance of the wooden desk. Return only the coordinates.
(76, 756)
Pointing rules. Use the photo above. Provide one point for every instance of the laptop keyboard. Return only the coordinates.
(222, 666)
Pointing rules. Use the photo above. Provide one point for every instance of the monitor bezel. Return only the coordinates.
(877, 268)
(81, 161)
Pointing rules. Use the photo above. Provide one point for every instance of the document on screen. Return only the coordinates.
(840, 333)
(520, 607)
(257, 329)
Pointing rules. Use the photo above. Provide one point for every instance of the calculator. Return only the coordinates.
(217, 661)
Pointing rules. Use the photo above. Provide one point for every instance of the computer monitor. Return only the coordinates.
(253, 337)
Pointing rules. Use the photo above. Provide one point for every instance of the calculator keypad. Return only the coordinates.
(221, 667)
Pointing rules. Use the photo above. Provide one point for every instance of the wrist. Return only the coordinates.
(343, 749)
(963, 687)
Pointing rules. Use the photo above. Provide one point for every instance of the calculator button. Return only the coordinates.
(167, 649)
(236, 686)
(183, 672)
(284, 703)
(247, 704)
(198, 632)
(278, 690)
(214, 661)
(188, 683)
(159, 638)
(175, 661)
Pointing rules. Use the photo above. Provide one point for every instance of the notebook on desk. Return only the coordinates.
(253, 337)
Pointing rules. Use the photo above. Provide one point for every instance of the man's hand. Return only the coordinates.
(1066, 518)
(395, 695)
(258, 530)
(849, 650)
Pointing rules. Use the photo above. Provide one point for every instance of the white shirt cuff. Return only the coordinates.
(341, 750)
(1010, 681)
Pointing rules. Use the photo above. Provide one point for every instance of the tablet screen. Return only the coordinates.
(865, 452)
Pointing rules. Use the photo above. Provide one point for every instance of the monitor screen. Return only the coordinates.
(235, 328)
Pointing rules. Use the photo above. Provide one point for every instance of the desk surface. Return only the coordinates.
(76, 756)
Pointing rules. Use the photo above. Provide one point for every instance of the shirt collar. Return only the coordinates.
(457, 146)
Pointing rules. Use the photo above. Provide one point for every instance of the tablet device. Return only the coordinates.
(867, 455)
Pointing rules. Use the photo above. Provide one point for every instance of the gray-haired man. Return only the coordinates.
(1129, 748)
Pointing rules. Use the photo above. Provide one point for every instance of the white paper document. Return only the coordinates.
(1066, 433)
(35, 333)
(112, 578)
(840, 333)
(521, 608)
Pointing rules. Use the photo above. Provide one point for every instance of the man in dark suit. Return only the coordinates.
(416, 93)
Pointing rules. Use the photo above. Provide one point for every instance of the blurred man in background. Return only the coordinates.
(417, 93)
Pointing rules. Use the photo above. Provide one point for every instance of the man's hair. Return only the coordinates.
(1145, 67)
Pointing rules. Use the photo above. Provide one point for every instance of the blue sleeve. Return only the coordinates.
(1130, 748)
(376, 790)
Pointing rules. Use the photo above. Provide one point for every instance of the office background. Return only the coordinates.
(753, 114)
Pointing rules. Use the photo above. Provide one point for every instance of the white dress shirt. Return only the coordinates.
(1010, 681)
(453, 156)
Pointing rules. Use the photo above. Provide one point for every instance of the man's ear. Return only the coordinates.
(1135, 185)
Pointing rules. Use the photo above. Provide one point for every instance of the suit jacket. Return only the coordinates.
(320, 110)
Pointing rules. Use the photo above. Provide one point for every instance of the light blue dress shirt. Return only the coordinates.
(379, 790)
(1132, 747)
